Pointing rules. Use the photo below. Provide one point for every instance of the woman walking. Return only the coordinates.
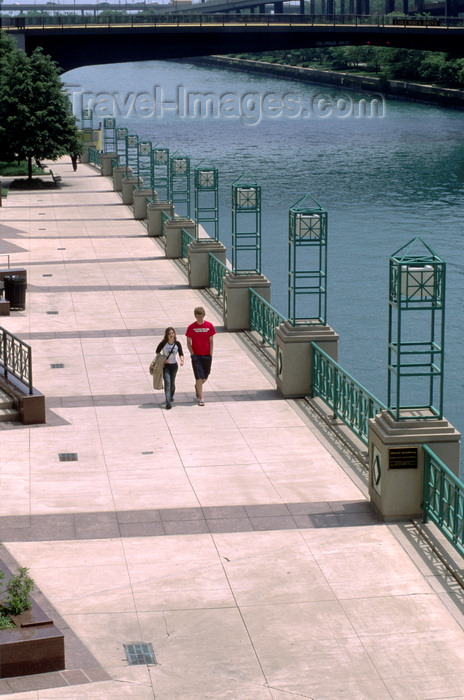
(171, 349)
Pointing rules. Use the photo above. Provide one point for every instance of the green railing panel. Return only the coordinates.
(348, 399)
(187, 238)
(443, 499)
(94, 156)
(164, 217)
(217, 272)
(264, 318)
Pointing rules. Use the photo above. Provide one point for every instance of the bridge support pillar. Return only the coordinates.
(396, 461)
(173, 233)
(155, 216)
(302, 7)
(389, 6)
(237, 298)
(294, 368)
(198, 269)
(278, 8)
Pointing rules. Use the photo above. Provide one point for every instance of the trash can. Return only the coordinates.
(15, 291)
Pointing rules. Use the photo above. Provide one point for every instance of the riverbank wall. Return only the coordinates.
(395, 89)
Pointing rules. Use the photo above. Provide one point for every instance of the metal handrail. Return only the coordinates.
(16, 358)
(347, 398)
(443, 499)
(94, 156)
(264, 318)
(187, 238)
(217, 272)
(221, 19)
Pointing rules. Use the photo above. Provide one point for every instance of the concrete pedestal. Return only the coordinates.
(237, 298)
(85, 156)
(118, 175)
(294, 357)
(128, 189)
(140, 203)
(173, 233)
(154, 216)
(106, 163)
(396, 461)
(199, 251)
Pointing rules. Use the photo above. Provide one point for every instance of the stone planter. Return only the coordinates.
(35, 645)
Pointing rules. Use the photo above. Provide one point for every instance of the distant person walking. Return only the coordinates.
(200, 342)
(74, 161)
(171, 349)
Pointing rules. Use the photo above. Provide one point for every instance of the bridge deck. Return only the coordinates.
(236, 538)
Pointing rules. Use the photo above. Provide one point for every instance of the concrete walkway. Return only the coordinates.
(235, 538)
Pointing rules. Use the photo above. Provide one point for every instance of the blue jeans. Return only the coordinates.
(169, 376)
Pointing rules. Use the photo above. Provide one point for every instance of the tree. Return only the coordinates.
(35, 115)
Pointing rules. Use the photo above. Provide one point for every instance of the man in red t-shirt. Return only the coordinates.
(200, 343)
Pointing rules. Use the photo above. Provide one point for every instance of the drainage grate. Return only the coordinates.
(52, 313)
(47, 274)
(138, 654)
(67, 456)
(148, 452)
(57, 365)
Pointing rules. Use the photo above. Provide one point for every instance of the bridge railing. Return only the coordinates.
(443, 499)
(264, 319)
(187, 238)
(217, 272)
(94, 156)
(347, 398)
(221, 19)
(16, 358)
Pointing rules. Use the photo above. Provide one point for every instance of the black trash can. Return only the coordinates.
(15, 291)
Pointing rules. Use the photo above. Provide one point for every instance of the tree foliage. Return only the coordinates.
(35, 116)
(431, 67)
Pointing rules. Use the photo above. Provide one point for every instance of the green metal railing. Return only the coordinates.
(443, 499)
(187, 238)
(164, 217)
(264, 318)
(94, 156)
(217, 272)
(348, 399)
(16, 358)
(114, 163)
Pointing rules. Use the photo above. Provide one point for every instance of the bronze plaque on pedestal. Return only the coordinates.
(402, 458)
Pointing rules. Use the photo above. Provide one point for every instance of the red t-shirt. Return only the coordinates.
(200, 333)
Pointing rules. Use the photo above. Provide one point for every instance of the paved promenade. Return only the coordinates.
(235, 538)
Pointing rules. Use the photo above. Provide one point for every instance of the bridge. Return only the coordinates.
(447, 8)
(90, 43)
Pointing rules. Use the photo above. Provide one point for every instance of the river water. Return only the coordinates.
(385, 176)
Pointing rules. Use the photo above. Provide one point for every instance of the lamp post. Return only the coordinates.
(207, 200)
(307, 300)
(246, 226)
(414, 414)
(161, 171)
(179, 183)
(246, 255)
(307, 263)
(416, 332)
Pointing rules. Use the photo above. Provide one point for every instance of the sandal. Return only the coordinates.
(201, 402)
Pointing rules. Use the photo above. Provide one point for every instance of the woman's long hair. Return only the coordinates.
(166, 334)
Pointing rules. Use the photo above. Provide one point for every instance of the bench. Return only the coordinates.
(56, 178)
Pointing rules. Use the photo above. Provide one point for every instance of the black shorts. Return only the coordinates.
(201, 366)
